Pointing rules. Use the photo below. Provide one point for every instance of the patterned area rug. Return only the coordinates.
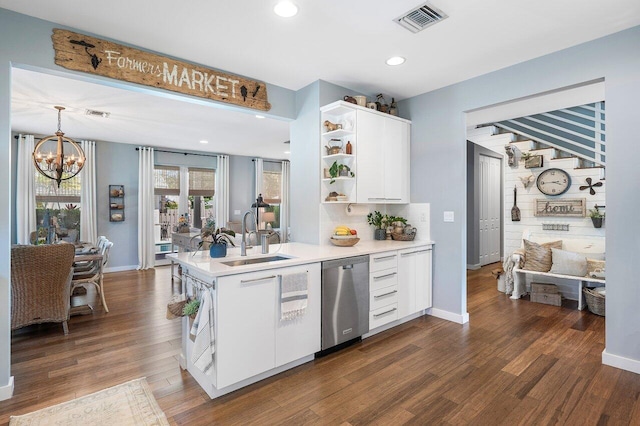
(130, 403)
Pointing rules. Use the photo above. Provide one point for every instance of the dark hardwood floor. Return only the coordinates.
(515, 362)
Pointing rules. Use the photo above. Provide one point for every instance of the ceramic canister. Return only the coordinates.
(361, 100)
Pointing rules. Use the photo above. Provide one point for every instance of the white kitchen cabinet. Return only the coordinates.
(383, 158)
(250, 337)
(300, 337)
(383, 288)
(245, 336)
(414, 280)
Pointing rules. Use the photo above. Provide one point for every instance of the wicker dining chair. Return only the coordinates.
(41, 284)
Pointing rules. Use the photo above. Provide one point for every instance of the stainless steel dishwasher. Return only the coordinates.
(345, 300)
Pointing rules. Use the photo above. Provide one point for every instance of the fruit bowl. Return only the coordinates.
(336, 240)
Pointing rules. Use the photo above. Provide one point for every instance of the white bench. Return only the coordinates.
(580, 245)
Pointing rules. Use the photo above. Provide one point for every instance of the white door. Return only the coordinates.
(489, 209)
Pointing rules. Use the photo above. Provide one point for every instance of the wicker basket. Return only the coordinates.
(347, 242)
(175, 307)
(595, 301)
(403, 237)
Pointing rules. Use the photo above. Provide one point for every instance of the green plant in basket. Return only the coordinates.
(191, 308)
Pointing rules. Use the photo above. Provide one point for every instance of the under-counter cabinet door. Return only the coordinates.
(423, 278)
(371, 157)
(406, 282)
(245, 339)
(300, 336)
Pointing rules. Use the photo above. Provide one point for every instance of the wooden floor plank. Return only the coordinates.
(515, 363)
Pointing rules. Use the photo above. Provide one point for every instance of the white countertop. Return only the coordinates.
(298, 253)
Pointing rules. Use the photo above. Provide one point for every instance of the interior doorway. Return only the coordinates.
(490, 223)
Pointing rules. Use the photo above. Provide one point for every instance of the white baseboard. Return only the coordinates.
(473, 267)
(620, 362)
(6, 392)
(121, 268)
(450, 316)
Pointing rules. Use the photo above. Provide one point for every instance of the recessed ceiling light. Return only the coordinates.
(259, 116)
(396, 60)
(285, 9)
(203, 141)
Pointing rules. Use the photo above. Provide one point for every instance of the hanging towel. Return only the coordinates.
(294, 294)
(203, 348)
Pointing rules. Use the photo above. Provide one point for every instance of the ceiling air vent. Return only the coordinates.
(94, 113)
(421, 17)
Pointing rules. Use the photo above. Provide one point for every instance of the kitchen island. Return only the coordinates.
(253, 340)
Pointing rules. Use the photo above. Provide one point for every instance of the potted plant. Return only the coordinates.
(216, 238)
(596, 217)
(377, 220)
(339, 170)
(190, 310)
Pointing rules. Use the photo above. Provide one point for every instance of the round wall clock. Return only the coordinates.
(553, 182)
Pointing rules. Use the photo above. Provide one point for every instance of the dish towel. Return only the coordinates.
(203, 345)
(294, 294)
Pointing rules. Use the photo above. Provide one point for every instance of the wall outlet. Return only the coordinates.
(237, 212)
(448, 217)
(423, 217)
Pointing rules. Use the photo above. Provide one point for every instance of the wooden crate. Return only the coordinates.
(547, 298)
(544, 288)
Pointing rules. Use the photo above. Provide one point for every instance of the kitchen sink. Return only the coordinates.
(253, 260)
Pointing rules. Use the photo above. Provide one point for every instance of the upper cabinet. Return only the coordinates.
(366, 158)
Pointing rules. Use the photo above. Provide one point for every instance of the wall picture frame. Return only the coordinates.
(533, 161)
(563, 207)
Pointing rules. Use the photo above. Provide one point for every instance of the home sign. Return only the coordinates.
(566, 207)
(79, 52)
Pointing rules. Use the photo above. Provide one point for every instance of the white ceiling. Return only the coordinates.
(343, 42)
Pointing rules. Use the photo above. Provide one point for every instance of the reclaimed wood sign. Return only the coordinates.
(569, 207)
(95, 56)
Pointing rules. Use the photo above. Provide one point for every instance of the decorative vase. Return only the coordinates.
(597, 222)
(380, 234)
(218, 250)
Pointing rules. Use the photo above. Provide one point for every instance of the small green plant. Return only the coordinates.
(376, 219)
(594, 213)
(191, 308)
(336, 169)
(393, 219)
(525, 156)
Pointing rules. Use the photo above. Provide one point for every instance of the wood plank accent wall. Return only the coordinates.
(80, 52)
(579, 227)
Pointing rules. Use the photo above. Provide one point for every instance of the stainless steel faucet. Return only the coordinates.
(243, 245)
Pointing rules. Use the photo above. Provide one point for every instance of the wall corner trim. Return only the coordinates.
(620, 362)
(6, 392)
(449, 316)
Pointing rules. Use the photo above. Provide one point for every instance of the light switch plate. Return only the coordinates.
(448, 216)
(236, 212)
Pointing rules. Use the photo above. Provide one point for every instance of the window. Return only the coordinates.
(272, 189)
(63, 204)
(197, 188)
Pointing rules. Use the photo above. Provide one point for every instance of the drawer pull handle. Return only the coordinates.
(257, 279)
(385, 312)
(386, 294)
(385, 276)
(414, 252)
(376, 259)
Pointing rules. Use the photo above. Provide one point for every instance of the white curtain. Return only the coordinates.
(222, 191)
(88, 215)
(285, 204)
(146, 241)
(26, 190)
(258, 165)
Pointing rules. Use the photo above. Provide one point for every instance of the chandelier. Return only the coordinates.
(56, 164)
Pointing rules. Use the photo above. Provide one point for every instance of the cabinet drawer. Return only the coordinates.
(382, 316)
(383, 297)
(380, 261)
(382, 279)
